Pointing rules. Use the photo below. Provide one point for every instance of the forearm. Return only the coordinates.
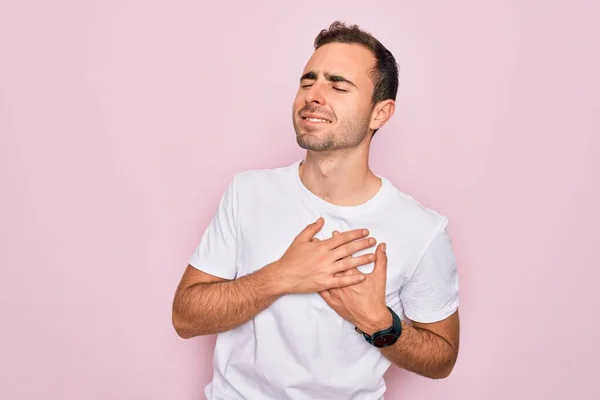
(209, 308)
(422, 352)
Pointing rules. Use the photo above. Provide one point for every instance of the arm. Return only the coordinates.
(205, 304)
(429, 342)
(212, 300)
(427, 349)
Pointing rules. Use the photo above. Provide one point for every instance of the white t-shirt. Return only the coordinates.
(299, 348)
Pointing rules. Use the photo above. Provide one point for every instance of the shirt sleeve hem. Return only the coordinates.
(216, 270)
(431, 317)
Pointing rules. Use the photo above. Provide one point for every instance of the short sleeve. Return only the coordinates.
(216, 252)
(431, 294)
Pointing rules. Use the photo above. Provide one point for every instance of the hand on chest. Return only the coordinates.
(266, 242)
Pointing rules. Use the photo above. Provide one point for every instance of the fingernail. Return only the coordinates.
(319, 219)
(383, 247)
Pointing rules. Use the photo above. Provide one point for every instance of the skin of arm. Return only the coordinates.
(205, 304)
(427, 349)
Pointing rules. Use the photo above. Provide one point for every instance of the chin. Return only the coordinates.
(310, 142)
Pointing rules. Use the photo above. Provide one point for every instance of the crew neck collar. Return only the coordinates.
(370, 205)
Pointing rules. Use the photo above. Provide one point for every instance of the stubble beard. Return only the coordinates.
(347, 135)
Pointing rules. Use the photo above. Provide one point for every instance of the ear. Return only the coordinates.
(382, 112)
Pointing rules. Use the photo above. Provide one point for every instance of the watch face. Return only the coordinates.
(385, 340)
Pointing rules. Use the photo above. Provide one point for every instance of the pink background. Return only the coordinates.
(122, 121)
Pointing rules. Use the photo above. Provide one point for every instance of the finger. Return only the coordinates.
(380, 260)
(353, 247)
(351, 271)
(341, 238)
(351, 263)
(310, 231)
(346, 280)
(326, 295)
(315, 239)
(337, 233)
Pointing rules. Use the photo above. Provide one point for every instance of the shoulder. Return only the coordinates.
(259, 178)
(424, 221)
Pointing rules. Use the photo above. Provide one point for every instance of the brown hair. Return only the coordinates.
(385, 72)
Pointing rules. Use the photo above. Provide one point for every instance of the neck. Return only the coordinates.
(340, 179)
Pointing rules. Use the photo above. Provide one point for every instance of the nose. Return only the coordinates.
(314, 95)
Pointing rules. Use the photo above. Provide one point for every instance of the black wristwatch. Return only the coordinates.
(385, 337)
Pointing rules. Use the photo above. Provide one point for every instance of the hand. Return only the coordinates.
(310, 265)
(363, 305)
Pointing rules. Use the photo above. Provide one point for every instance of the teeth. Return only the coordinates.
(316, 120)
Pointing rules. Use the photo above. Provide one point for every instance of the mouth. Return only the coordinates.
(315, 119)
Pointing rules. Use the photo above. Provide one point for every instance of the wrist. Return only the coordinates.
(379, 320)
(273, 274)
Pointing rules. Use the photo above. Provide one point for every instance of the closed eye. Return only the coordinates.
(308, 85)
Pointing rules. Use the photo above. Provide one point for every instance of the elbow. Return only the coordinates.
(184, 331)
(438, 374)
(180, 320)
(181, 324)
(184, 334)
(441, 374)
(181, 327)
(445, 370)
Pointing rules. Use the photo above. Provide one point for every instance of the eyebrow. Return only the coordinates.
(311, 75)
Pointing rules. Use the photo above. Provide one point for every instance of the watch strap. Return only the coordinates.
(393, 331)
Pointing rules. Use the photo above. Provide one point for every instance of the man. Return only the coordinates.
(319, 275)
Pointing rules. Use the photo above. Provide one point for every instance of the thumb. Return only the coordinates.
(380, 266)
(311, 230)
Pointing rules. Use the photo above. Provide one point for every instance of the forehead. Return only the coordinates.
(352, 61)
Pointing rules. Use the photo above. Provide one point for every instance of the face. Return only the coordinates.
(333, 108)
